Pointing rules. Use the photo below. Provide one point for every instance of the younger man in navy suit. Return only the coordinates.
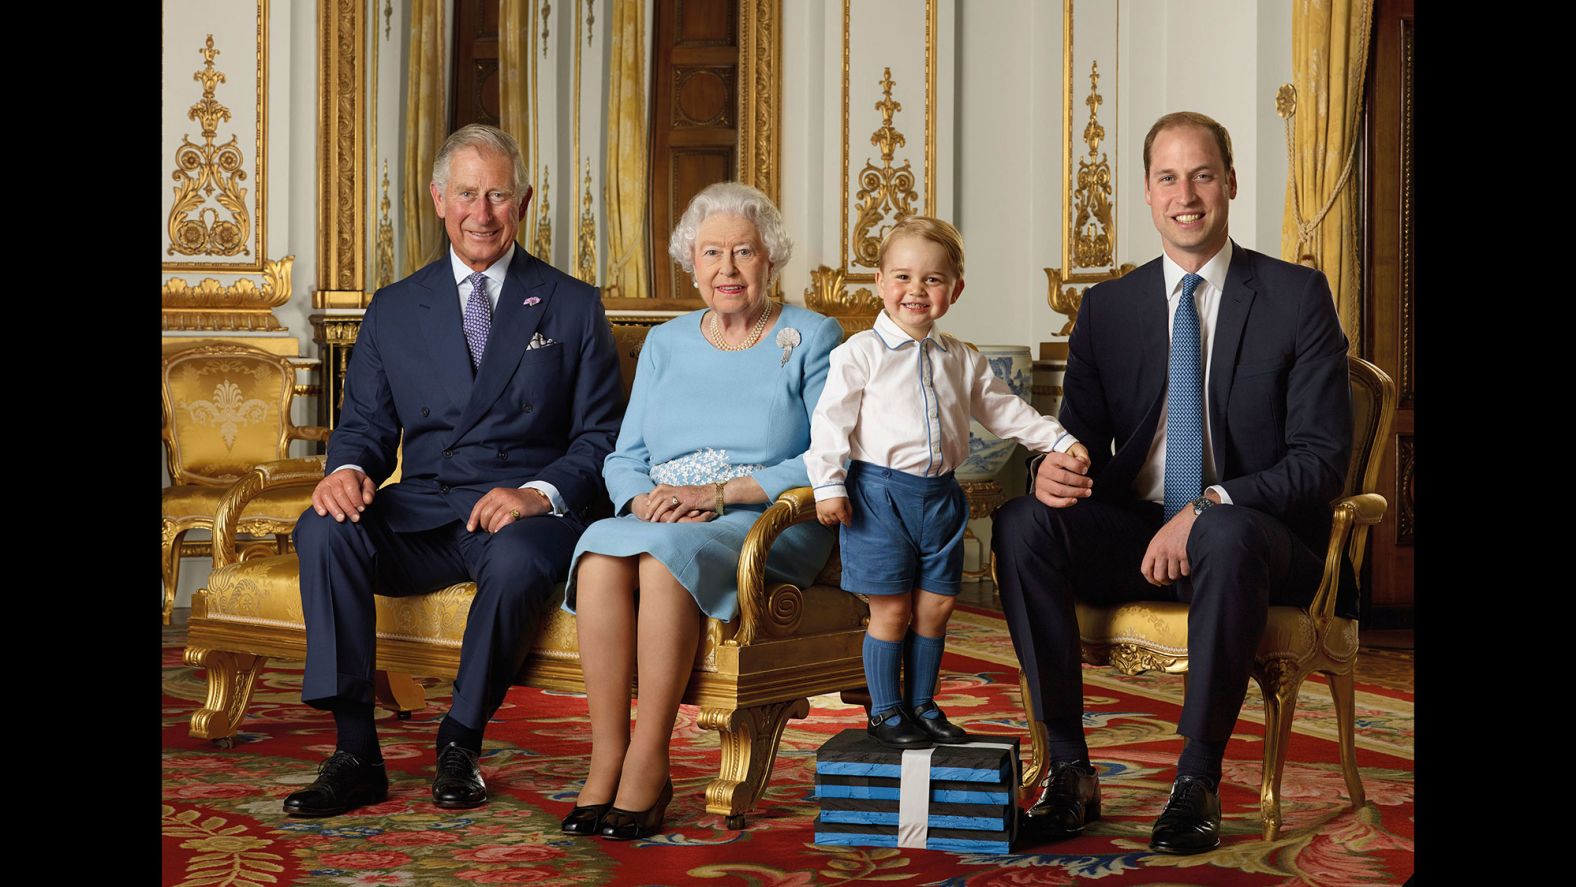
(500, 373)
(1210, 387)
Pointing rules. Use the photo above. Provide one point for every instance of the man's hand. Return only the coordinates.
(831, 512)
(346, 492)
(1165, 561)
(676, 504)
(503, 506)
(1063, 477)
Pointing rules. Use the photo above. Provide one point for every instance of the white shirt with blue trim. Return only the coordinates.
(905, 404)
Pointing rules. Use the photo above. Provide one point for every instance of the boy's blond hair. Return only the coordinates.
(932, 229)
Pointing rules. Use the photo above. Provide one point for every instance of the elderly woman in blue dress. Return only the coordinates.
(716, 429)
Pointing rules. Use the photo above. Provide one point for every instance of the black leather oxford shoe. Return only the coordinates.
(458, 783)
(1069, 800)
(343, 783)
(938, 728)
(902, 734)
(1191, 821)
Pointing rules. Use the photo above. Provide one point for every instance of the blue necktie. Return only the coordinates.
(1184, 406)
(478, 319)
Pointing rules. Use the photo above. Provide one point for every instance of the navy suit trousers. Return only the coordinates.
(344, 564)
(1241, 562)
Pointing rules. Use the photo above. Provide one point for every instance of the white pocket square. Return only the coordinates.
(540, 341)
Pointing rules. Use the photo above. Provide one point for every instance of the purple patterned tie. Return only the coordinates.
(478, 319)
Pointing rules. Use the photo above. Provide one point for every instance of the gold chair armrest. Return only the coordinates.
(267, 476)
(1353, 516)
(794, 506)
(318, 433)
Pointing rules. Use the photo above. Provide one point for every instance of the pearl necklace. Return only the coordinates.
(716, 339)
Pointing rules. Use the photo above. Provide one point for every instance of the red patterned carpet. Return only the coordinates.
(222, 824)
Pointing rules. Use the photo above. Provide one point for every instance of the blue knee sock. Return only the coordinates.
(882, 659)
(921, 668)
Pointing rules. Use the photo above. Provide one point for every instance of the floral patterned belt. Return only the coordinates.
(704, 466)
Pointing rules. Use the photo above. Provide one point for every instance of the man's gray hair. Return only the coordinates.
(733, 199)
(485, 139)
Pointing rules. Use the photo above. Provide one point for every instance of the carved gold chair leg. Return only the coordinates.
(1279, 680)
(1344, 695)
(398, 692)
(749, 746)
(231, 677)
(1039, 741)
(172, 566)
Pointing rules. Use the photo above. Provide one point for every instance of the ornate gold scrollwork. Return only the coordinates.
(210, 305)
(202, 170)
(547, 10)
(1131, 659)
(1065, 300)
(883, 190)
(587, 233)
(828, 294)
(385, 258)
(590, 20)
(1094, 238)
(748, 739)
(542, 248)
(760, 47)
(388, 17)
(784, 609)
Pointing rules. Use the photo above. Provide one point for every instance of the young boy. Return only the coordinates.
(897, 404)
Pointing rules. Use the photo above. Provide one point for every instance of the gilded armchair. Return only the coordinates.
(1152, 635)
(750, 676)
(226, 408)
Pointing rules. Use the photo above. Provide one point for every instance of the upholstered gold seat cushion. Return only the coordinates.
(1162, 626)
(266, 591)
(198, 502)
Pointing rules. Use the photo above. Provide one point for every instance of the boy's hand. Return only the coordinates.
(1079, 451)
(831, 512)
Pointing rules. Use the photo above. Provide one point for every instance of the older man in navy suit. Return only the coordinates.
(496, 374)
(1210, 387)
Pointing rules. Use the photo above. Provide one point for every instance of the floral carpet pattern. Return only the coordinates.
(222, 825)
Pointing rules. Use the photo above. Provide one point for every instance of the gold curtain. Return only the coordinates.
(426, 128)
(624, 185)
(514, 60)
(1329, 46)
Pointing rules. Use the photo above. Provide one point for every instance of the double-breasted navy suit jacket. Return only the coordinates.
(1280, 415)
(549, 412)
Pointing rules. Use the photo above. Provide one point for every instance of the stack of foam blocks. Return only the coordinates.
(962, 798)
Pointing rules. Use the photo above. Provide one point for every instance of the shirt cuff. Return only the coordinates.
(1064, 443)
(1225, 497)
(348, 465)
(831, 491)
(552, 495)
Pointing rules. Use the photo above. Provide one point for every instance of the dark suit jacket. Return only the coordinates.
(549, 413)
(1280, 413)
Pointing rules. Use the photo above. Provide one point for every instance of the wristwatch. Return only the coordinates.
(1202, 503)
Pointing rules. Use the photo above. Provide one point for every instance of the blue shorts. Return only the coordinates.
(907, 532)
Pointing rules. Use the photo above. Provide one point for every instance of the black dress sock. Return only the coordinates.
(1067, 743)
(1200, 758)
(357, 733)
(450, 730)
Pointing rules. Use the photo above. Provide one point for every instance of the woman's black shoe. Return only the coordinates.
(627, 825)
(585, 821)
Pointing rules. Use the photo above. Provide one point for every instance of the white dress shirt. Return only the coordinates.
(1150, 484)
(905, 404)
(492, 282)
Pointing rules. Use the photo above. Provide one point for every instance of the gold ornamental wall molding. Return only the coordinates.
(760, 96)
(885, 190)
(243, 305)
(341, 169)
(585, 244)
(384, 266)
(828, 294)
(1088, 195)
(210, 216)
(542, 243)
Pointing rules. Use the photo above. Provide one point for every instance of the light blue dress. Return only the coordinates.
(698, 414)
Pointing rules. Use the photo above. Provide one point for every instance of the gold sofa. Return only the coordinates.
(1152, 635)
(751, 674)
(226, 408)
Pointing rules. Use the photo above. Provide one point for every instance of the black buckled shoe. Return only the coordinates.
(585, 821)
(903, 734)
(627, 825)
(458, 784)
(343, 783)
(1191, 821)
(1069, 800)
(938, 728)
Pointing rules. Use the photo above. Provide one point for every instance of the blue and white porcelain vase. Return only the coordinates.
(988, 454)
